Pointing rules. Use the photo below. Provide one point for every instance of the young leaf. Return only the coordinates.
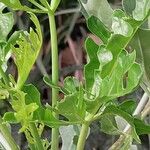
(98, 8)
(26, 52)
(23, 112)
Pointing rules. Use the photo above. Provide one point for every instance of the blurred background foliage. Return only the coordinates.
(72, 32)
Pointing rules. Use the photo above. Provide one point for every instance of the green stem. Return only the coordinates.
(83, 136)
(36, 136)
(6, 133)
(54, 55)
(85, 128)
(38, 5)
(54, 4)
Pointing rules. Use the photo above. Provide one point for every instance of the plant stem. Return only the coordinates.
(54, 55)
(35, 134)
(83, 136)
(85, 128)
(6, 133)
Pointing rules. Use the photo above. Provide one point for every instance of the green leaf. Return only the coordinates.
(32, 94)
(98, 28)
(141, 127)
(15, 4)
(124, 77)
(141, 10)
(120, 45)
(128, 106)
(108, 125)
(26, 52)
(114, 110)
(23, 112)
(104, 56)
(71, 84)
(111, 109)
(93, 63)
(120, 25)
(100, 9)
(49, 120)
(41, 114)
(6, 24)
(73, 106)
(10, 117)
(12, 40)
(141, 44)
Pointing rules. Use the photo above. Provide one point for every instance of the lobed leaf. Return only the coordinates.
(41, 114)
(26, 51)
(23, 112)
(123, 79)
